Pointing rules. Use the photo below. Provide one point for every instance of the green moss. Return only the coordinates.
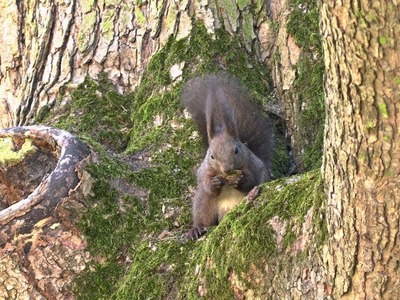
(303, 23)
(242, 4)
(153, 119)
(107, 25)
(248, 28)
(155, 263)
(98, 111)
(303, 26)
(383, 40)
(156, 267)
(281, 163)
(383, 110)
(86, 30)
(397, 80)
(116, 234)
(9, 156)
(139, 17)
(289, 238)
(309, 87)
(43, 113)
(174, 270)
(370, 124)
(245, 239)
(109, 228)
(100, 283)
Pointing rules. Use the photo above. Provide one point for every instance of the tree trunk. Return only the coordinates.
(362, 146)
(51, 46)
(59, 43)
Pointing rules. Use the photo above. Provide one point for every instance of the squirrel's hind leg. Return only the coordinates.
(205, 214)
(195, 232)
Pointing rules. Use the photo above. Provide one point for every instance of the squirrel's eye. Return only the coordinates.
(236, 150)
(212, 156)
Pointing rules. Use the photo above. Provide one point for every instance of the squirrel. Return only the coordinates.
(239, 142)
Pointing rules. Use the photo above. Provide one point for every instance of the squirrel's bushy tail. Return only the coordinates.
(252, 126)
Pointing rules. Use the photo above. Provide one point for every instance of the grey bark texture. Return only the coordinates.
(362, 152)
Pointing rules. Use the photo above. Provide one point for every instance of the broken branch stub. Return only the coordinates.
(42, 185)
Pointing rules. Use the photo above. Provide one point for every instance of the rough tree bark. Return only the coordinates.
(362, 147)
(50, 46)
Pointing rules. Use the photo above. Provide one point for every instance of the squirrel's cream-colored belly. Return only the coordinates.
(227, 199)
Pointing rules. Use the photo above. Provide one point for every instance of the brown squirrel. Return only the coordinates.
(239, 142)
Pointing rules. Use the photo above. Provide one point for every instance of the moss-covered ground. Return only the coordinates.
(244, 240)
(139, 209)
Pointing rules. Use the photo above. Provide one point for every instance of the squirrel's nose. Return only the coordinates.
(226, 169)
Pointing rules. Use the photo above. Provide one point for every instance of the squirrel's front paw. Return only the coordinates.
(216, 183)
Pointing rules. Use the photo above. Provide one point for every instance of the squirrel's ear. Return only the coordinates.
(210, 117)
(227, 113)
(215, 122)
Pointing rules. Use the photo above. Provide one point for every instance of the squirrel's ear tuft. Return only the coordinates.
(210, 117)
(215, 118)
(226, 113)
